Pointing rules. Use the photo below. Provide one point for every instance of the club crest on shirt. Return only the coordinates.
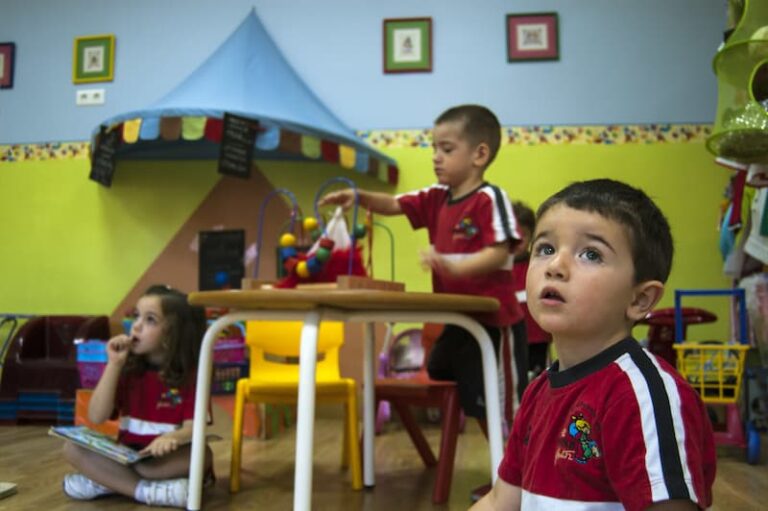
(466, 228)
(577, 444)
(169, 399)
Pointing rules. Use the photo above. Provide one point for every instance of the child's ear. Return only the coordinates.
(482, 153)
(646, 295)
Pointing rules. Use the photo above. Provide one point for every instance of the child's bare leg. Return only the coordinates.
(120, 478)
(172, 465)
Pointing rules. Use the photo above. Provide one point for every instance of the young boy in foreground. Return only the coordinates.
(609, 426)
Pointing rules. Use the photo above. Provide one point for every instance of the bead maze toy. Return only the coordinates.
(333, 261)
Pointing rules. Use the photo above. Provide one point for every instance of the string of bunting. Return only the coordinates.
(272, 138)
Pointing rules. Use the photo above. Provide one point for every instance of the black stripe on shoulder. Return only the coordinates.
(502, 211)
(671, 464)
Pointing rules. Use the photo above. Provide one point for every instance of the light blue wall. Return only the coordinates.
(622, 61)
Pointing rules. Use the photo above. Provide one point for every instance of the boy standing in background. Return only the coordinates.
(472, 233)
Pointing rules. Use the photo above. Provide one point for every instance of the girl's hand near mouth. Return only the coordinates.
(118, 348)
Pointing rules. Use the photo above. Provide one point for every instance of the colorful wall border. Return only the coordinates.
(43, 152)
(394, 139)
(550, 135)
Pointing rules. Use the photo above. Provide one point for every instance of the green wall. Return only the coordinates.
(72, 246)
(681, 177)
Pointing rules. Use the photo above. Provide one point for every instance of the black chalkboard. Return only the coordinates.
(221, 259)
(238, 137)
(104, 156)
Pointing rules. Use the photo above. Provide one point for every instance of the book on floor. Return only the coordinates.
(7, 489)
(98, 442)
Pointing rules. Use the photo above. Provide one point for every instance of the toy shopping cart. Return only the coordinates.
(716, 370)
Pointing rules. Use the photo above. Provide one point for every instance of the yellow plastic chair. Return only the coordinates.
(274, 378)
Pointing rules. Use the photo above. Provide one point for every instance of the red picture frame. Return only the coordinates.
(7, 61)
(533, 37)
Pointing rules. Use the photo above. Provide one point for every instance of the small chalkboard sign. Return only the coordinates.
(222, 264)
(104, 156)
(238, 137)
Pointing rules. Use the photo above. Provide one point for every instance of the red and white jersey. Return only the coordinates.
(621, 430)
(536, 334)
(149, 408)
(459, 228)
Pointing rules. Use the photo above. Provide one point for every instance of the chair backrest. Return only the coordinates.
(275, 348)
(410, 350)
(53, 337)
(429, 334)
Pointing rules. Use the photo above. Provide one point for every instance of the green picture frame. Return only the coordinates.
(93, 59)
(407, 45)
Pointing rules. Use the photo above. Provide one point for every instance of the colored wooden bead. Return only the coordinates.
(287, 252)
(322, 254)
(314, 265)
(327, 243)
(310, 224)
(302, 270)
(290, 264)
(287, 240)
(360, 231)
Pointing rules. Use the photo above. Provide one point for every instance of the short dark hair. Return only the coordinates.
(524, 215)
(185, 326)
(480, 125)
(649, 233)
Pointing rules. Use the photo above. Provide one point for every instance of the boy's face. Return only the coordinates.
(580, 281)
(454, 158)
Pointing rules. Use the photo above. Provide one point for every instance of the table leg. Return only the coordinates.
(302, 486)
(491, 384)
(204, 369)
(490, 370)
(369, 403)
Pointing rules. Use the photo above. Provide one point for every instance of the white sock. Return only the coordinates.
(162, 492)
(139, 492)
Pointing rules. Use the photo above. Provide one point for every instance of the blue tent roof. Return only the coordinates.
(247, 76)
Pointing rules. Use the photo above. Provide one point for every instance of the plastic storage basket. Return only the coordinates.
(714, 370)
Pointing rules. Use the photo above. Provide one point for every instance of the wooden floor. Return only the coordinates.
(31, 459)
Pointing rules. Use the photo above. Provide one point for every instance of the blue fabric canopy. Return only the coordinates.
(247, 76)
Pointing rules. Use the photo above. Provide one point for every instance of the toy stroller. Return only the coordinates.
(716, 371)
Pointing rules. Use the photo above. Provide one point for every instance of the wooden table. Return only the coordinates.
(311, 307)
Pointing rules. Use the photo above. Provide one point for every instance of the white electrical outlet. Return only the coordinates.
(90, 97)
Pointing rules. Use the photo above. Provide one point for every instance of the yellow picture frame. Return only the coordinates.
(93, 59)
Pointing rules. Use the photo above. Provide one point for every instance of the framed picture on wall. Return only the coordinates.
(93, 59)
(7, 60)
(532, 36)
(408, 45)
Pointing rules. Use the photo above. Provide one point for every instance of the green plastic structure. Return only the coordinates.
(741, 65)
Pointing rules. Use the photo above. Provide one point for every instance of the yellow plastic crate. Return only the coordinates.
(714, 370)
